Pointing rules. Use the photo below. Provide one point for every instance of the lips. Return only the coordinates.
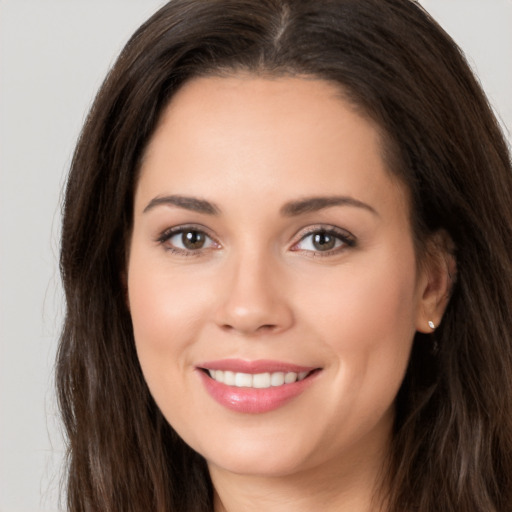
(254, 386)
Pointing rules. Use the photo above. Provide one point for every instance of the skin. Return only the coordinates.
(260, 289)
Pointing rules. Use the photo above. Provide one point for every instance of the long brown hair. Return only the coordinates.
(452, 443)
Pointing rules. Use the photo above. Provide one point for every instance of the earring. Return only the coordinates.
(435, 346)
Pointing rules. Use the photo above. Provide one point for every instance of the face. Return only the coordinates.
(272, 277)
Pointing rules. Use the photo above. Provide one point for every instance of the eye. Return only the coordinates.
(324, 240)
(186, 240)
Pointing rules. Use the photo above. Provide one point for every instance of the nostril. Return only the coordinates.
(266, 327)
(261, 329)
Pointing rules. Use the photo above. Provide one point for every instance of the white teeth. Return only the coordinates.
(258, 380)
(277, 379)
(243, 380)
(261, 380)
(290, 377)
(229, 378)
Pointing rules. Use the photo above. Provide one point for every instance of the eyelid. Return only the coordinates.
(168, 233)
(348, 239)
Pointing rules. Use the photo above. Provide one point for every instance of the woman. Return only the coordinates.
(286, 256)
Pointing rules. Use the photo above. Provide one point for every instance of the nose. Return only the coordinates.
(253, 298)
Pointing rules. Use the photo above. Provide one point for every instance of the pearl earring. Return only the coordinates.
(432, 325)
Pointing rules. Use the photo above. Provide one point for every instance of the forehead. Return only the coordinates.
(277, 137)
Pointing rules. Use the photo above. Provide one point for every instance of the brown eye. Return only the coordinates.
(323, 241)
(184, 240)
(326, 241)
(193, 240)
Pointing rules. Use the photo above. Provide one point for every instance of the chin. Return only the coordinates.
(257, 458)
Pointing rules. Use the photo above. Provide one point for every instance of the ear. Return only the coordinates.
(438, 275)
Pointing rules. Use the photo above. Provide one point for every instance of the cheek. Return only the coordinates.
(167, 313)
(375, 343)
(384, 311)
(368, 322)
(356, 302)
(384, 295)
(383, 304)
(162, 300)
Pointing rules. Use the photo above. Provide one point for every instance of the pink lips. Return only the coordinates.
(252, 400)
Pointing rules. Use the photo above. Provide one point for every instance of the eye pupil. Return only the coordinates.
(323, 241)
(193, 239)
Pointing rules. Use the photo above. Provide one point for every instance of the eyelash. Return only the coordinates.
(346, 239)
(343, 237)
(164, 238)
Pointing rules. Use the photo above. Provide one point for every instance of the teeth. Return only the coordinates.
(258, 380)
(229, 378)
(261, 380)
(290, 377)
(277, 379)
(242, 380)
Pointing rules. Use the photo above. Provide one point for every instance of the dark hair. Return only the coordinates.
(452, 442)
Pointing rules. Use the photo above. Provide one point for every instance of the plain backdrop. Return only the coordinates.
(53, 57)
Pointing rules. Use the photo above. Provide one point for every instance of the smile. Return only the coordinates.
(255, 386)
(258, 380)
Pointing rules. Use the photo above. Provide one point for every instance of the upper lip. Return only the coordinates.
(254, 367)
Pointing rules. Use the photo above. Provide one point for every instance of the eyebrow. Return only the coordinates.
(314, 204)
(290, 209)
(186, 202)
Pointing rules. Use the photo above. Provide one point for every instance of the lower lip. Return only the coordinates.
(252, 400)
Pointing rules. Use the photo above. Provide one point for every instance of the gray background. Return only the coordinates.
(53, 57)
